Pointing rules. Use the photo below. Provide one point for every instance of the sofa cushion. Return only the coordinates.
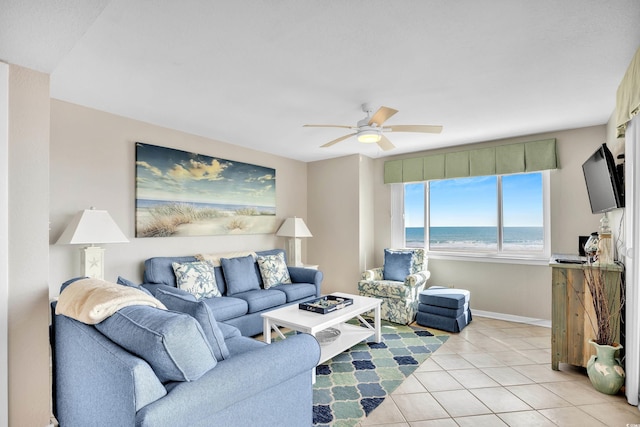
(262, 299)
(229, 331)
(270, 252)
(240, 274)
(240, 344)
(197, 278)
(226, 308)
(297, 291)
(397, 265)
(172, 343)
(443, 300)
(158, 270)
(70, 281)
(273, 269)
(443, 311)
(202, 313)
(215, 258)
(445, 297)
(124, 282)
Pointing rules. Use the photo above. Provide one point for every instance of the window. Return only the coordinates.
(497, 216)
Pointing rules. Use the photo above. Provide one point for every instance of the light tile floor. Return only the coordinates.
(498, 373)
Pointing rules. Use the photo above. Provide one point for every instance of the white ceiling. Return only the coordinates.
(252, 72)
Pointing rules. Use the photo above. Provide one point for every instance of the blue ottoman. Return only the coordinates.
(443, 308)
(442, 311)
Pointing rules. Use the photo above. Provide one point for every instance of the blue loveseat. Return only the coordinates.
(241, 309)
(98, 382)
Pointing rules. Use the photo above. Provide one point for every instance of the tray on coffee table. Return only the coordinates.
(326, 304)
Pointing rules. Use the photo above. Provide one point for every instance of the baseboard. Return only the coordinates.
(512, 318)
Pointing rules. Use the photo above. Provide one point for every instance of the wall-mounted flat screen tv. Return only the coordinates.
(603, 183)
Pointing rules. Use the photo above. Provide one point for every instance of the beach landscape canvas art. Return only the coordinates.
(179, 193)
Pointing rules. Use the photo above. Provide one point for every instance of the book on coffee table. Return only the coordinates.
(325, 304)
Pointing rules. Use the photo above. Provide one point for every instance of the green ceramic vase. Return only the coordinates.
(604, 369)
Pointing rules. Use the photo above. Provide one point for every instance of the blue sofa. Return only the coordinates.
(241, 310)
(97, 382)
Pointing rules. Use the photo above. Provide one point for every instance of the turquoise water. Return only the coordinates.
(147, 203)
(522, 238)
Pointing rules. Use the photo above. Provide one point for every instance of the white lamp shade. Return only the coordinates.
(294, 227)
(91, 226)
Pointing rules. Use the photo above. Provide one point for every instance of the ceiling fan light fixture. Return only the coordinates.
(369, 136)
(370, 129)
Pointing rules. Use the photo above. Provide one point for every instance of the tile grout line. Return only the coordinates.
(458, 345)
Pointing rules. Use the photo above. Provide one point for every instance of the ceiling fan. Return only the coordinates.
(370, 129)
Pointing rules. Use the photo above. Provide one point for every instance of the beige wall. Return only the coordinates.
(93, 164)
(28, 218)
(4, 240)
(366, 213)
(334, 204)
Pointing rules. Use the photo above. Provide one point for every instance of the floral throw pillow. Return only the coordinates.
(273, 270)
(198, 278)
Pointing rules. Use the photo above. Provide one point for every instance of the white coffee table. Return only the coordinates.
(311, 323)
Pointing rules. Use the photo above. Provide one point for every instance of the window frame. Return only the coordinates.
(500, 256)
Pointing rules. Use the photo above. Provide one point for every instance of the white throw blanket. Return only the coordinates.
(91, 301)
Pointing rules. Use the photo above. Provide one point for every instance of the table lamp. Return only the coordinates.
(88, 227)
(294, 228)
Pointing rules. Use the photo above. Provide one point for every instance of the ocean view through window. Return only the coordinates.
(488, 214)
(516, 238)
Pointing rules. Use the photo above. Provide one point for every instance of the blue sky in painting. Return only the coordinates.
(176, 175)
(473, 202)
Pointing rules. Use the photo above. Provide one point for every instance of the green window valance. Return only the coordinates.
(482, 161)
(433, 167)
(456, 164)
(503, 159)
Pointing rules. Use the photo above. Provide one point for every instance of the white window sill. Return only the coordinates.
(541, 259)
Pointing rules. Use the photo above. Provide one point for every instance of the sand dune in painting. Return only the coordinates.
(231, 225)
(185, 220)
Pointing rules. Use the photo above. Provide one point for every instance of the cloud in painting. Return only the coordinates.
(165, 174)
(261, 179)
(154, 170)
(197, 170)
(260, 192)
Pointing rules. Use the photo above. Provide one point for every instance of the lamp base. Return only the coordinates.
(294, 252)
(92, 262)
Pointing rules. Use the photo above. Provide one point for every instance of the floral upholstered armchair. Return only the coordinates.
(397, 284)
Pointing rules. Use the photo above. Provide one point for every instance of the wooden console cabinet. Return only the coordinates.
(572, 312)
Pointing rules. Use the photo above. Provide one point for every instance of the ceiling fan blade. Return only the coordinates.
(414, 128)
(330, 126)
(385, 144)
(335, 141)
(382, 115)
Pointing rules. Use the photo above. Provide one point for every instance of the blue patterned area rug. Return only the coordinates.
(352, 384)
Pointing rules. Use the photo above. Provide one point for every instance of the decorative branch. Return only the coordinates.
(608, 301)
